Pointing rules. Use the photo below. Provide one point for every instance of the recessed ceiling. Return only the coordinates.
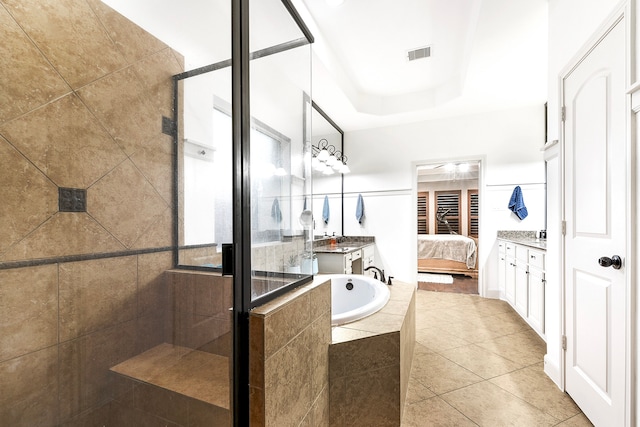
(486, 55)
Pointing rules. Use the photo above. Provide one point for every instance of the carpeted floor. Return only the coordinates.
(461, 285)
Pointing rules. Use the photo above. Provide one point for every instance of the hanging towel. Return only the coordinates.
(325, 210)
(360, 209)
(516, 204)
(275, 211)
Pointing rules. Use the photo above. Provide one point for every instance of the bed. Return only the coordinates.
(447, 253)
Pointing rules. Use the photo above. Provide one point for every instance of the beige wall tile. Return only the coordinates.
(29, 385)
(156, 72)
(70, 36)
(162, 403)
(96, 294)
(285, 323)
(320, 300)
(64, 234)
(29, 198)
(372, 398)
(85, 379)
(204, 415)
(363, 355)
(154, 159)
(120, 103)
(287, 382)
(153, 289)
(75, 153)
(131, 40)
(27, 79)
(320, 331)
(159, 234)
(124, 203)
(28, 310)
(320, 409)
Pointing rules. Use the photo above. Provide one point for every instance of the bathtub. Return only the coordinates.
(350, 303)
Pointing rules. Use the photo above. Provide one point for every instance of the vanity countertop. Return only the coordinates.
(532, 242)
(340, 248)
(526, 238)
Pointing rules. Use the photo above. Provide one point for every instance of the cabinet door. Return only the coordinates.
(502, 272)
(536, 300)
(510, 280)
(522, 289)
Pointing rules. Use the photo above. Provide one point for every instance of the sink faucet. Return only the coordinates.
(382, 278)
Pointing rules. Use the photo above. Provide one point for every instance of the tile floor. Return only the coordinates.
(477, 363)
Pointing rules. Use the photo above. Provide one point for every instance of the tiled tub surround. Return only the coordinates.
(370, 363)
(289, 358)
(82, 95)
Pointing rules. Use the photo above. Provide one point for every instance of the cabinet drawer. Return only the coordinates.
(510, 249)
(501, 247)
(536, 259)
(356, 255)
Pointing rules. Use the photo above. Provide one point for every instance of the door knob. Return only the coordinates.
(615, 262)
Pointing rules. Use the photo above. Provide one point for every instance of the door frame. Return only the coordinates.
(623, 11)
(481, 160)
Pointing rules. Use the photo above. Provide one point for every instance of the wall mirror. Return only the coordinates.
(327, 181)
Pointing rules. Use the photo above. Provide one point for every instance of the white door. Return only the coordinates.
(595, 214)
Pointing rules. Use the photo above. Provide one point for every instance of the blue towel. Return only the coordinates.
(360, 209)
(275, 211)
(325, 210)
(516, 204)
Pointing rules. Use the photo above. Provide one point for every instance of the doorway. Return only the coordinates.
(447, 219)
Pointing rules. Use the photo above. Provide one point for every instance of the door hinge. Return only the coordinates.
(564, 342)
(564, 228)
(563, 113)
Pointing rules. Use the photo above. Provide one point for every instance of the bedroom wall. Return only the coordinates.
(508, 144)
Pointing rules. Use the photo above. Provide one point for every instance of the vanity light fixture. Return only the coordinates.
(326, 159)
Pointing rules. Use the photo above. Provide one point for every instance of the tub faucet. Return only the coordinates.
(382, 278)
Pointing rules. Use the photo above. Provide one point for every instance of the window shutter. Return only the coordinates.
(423, 212)
(448, 200)
(473, 213)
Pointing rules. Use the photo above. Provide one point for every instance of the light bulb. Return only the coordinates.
(323, 155)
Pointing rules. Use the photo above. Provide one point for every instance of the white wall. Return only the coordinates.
(571, 24)
(508, 144)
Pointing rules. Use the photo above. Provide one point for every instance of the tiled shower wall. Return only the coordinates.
(82, 95)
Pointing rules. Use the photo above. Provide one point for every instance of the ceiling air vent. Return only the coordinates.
(421, 52)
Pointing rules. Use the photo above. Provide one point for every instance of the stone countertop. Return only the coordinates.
(346, 244)
(340, 248)
(522, 237)
(532, 242)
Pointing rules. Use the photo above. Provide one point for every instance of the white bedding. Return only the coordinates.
(448, 246)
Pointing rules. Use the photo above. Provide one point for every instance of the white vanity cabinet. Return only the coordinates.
(340, 262)
(510, 273)
(522, 269)
(522, 281)
(368, 258)
(536, 290)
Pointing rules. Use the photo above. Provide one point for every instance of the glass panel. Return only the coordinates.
(280, 151)
(109, 333)
(205, 168)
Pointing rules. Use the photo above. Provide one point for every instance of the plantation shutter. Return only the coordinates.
(473, 213)
(448, 200)
(423, 212)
